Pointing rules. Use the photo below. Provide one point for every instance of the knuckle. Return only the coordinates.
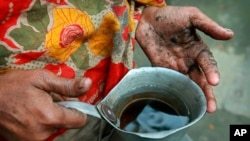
(42, 73)
(194, 10)
(49, 117)
(195, 13)
(208, 59)
(41, 77)
(53, 119)
(69, 84)
(37, 74)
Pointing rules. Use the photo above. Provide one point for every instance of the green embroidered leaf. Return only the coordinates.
(118, 1)
(81, 58)
(27, 37)
(38, 17)
(3, 53)
(91, 6)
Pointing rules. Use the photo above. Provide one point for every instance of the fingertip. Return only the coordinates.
(213, 79)
(84, 84)
(211, 106)
(212, 74)
(229, 33)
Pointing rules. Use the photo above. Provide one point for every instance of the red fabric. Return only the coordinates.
(125, 33)
(11, 10)
(23, 58)
(98, 75)
(119, 10)
(61, 70)
(116, 73)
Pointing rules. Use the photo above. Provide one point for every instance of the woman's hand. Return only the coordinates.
(169, 39)
(27, 110)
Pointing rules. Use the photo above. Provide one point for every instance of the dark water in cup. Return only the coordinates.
(150, 115)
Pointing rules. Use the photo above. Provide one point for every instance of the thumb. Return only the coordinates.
(64, 86)
(208, 26)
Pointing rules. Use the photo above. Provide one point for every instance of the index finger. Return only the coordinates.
(67, 117)
(202, 22)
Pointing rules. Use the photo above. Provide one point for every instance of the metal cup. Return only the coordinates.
(157, 83)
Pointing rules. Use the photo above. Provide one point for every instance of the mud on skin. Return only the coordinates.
(169, 39)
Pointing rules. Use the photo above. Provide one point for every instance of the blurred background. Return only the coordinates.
(233, 57)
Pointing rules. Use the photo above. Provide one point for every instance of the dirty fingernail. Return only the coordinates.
(228, 30)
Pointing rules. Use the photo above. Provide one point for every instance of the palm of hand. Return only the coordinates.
(169, 39)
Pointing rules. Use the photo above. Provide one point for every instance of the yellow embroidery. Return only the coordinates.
(71, 27)
(101, 43)
(131, 18)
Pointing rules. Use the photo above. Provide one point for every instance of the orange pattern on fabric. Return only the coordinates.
(101, 43)
(71, 27)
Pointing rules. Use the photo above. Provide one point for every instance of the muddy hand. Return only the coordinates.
(169, 39)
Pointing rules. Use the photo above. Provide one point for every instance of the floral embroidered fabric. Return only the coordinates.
(72, 39)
